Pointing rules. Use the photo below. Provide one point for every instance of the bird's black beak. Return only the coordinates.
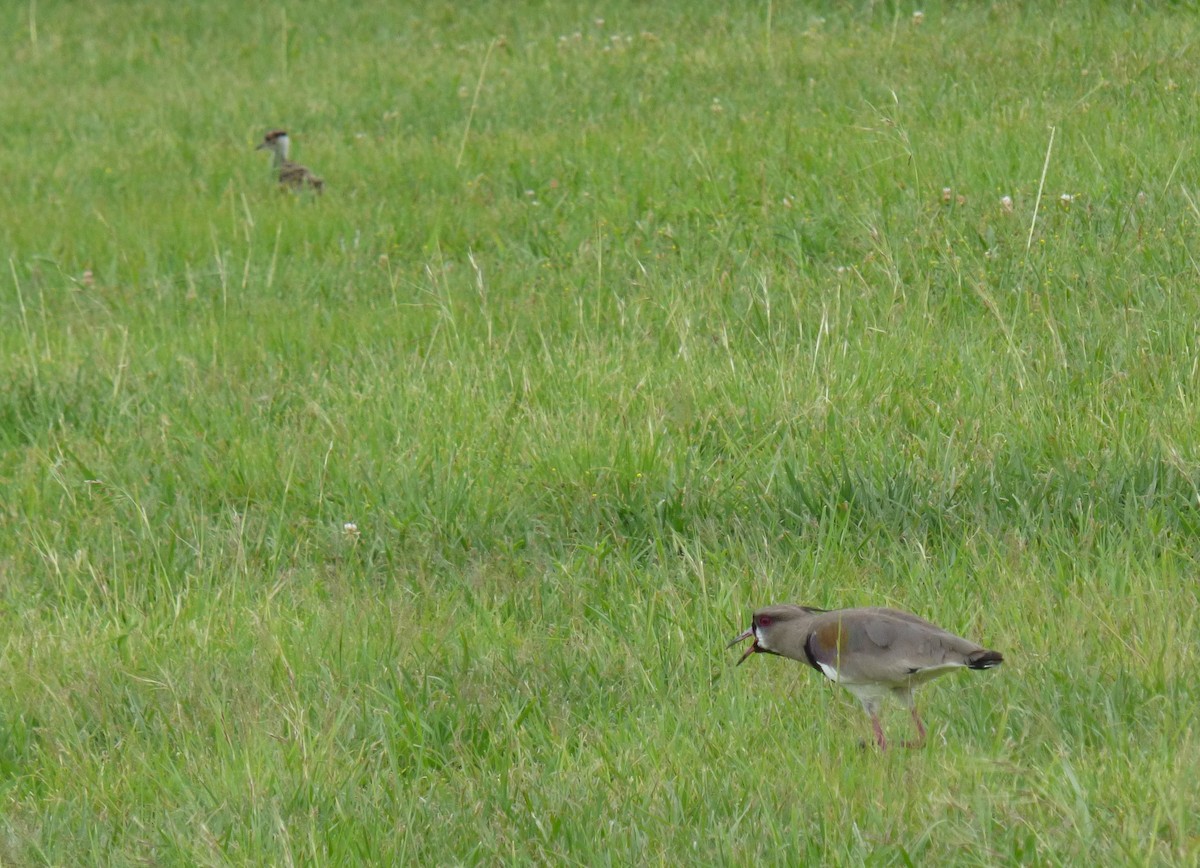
(748, 634)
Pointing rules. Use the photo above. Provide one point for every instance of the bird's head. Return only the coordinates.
(769, 628)
(276, 141)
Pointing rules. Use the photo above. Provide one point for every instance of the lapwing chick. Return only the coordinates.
(873, 653)
(291, 175)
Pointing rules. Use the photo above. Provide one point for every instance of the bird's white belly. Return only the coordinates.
(918, 677)
(830, 672)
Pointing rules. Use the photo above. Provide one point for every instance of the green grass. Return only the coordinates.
(668, 322)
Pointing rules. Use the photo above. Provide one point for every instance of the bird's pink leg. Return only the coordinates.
(879, 739)
(920, 742)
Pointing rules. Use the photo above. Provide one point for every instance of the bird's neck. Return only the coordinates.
(280, 150)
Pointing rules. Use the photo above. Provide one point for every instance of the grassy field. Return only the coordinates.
(408, 523)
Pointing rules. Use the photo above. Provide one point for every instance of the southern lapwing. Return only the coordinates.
(873, 652)
(291, 175)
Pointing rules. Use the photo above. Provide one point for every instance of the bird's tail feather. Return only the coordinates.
(985, 659)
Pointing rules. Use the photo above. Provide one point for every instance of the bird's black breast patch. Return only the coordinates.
(809, 655)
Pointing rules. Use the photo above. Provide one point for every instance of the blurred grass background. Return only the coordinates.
(409, 522)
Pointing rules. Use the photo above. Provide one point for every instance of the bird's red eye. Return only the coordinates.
(764, 620)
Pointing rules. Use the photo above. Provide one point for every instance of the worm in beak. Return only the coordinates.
(749, 634)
